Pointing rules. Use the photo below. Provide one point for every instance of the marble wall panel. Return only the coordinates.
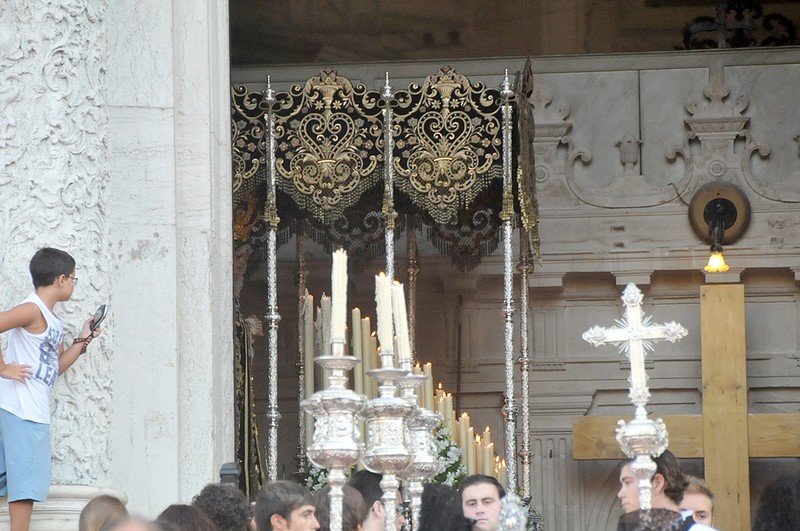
(663, 94)
(600, 120)
(141, 67)
(145, 411)
(142, 166)
(763, 318)
(771, 91)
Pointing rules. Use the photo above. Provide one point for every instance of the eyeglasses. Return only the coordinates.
(74, 280)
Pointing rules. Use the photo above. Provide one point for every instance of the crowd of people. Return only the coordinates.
(678, 502)
(288, 506)
(684, 502)
(36, 355)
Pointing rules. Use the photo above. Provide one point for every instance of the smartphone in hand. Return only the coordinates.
(99, 317)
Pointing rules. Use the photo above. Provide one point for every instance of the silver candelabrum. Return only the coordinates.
(421, 423)
(336, 444)
(388, 451)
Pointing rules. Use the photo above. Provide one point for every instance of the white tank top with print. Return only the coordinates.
(31, 400)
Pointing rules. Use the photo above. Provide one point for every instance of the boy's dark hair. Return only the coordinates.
(354, 510)
(675, 481)
(477, 479)
(279, 497)
(225, 505)
(185, 518)
(441, 509)
(48, 264)
(368, 484)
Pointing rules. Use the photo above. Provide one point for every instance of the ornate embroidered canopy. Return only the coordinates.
(329, 153)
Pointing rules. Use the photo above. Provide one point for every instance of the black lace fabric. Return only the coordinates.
(653, 520)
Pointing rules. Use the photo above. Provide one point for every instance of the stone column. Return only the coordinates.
(169, 109)
(114, 145)
(54, 177)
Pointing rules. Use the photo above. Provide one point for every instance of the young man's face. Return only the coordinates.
(701, 507)
(629, 491)
(481, 502)
(302, 519)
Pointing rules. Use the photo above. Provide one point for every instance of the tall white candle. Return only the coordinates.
(471, 459)
(383, 302)
(375, 363)
(325, 325)
(449, 416)
(366, 357)
(401, 324)
(488, 462)
(358, 371)
(427, 370)
(308, 358)
(338, 295)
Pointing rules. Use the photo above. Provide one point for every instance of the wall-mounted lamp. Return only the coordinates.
(719, 213)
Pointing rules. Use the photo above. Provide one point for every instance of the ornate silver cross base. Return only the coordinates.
(643, 439)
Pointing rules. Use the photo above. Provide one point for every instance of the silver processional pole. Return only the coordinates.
(507, 216)
(272, 317)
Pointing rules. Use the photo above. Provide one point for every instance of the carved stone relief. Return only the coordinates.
(54, 177)
(717, 146)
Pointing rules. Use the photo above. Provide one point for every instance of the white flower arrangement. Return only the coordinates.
(451, 457)
(316, 478)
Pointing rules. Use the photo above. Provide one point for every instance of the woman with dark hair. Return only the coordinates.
(441, 509)
(186, 518)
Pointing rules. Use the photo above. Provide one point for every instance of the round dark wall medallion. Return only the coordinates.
(719, 204)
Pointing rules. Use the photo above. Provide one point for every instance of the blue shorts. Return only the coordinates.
(24, 458)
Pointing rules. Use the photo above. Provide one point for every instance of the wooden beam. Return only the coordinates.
(593, 437)
(772, 435)
(725, 422)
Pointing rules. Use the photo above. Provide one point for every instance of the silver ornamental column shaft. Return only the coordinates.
(507, 216)
(272, 317)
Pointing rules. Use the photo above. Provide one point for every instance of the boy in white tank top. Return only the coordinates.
(35, 357)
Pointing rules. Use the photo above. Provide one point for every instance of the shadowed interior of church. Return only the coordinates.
(347, 31)
(622, 106)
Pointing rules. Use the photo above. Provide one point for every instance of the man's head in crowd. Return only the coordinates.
(668, 484)
(285, 506)
(225, 505)
(480, 500)
(699, 499)
(369, 485)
